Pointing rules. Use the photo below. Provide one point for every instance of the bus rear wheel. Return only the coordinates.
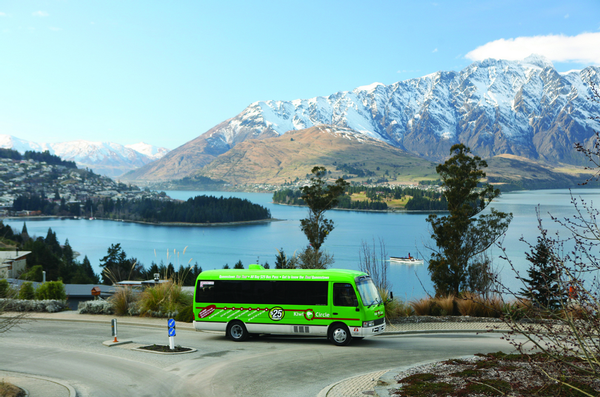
(236, 331)
(339, 334)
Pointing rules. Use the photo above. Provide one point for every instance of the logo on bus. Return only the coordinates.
(276, 313)
(309, 314)
(207, 311)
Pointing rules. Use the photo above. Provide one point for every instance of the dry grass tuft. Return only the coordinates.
(468, 304)
(164, 299)
(10, 390)
(476, 306)
(446, 305)
(122, 299)
(422, 307)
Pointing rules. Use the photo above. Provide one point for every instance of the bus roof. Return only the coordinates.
(281, 274)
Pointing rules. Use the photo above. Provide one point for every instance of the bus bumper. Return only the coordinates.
(365, 332)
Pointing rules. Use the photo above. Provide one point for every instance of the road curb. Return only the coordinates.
(446, 331)
(351, 386)
(140, 349)
(20, 376)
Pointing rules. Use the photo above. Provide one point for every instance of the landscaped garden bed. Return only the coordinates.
(495, 374)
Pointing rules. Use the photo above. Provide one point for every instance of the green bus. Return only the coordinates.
(336, 303)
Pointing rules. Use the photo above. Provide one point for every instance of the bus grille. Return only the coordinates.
(301, 329)
(379, 321)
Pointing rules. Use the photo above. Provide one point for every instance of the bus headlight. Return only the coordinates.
(368, 323)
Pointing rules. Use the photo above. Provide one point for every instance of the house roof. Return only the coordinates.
(74, 290)
(9, 256)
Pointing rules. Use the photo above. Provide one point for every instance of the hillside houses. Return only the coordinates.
(58, 184)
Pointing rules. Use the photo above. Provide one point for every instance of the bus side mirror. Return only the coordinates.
(391, 298)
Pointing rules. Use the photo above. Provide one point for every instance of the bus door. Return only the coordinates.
(345, 303)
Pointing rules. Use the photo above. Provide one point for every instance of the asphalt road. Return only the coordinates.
(264, 366)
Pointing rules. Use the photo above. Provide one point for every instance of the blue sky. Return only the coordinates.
(166, 72)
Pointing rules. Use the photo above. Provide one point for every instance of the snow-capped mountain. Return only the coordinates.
(524, 108)
(20, 145)
(153, 152)
(106, 158)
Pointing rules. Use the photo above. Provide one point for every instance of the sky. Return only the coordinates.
(163, 73)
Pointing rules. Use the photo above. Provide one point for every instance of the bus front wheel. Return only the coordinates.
(339, 334)
(236, 331)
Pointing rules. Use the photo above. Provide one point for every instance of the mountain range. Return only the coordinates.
(105, 158)
(523, 109)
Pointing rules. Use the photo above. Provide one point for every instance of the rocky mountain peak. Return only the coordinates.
(523, 108)
(539, 61)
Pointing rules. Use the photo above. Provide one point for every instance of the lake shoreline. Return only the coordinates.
(389, 210)
(186, 224)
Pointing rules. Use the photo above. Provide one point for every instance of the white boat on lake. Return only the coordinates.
(406, 260)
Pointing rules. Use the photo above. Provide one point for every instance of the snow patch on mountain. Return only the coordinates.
(494, 106)
(107, 158)
(153, 152)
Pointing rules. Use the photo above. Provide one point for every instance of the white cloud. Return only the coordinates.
(2, 14)
(40, 14)
(55, 29)
(435, 50)
(582, 48)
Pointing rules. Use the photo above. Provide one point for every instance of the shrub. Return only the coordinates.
(496, 306)
(33, 274)
(470, 305)
(164, 300)
(123, 301)
(477, 306)
(10, 390)
(96, 307)
(186, 314)
(446, 305)
(422, 307)
(395, 308)
(51, 290)
(5, 289)
(27, 291)
(517, 310)
(22, 305)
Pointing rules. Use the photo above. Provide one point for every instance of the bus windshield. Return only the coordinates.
(368, 291)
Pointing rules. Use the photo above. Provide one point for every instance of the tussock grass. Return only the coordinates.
(10, 390)
(446, 305)
(164, 300)
(422, 307)
(468, 304)
(477, 306)
(122, 300)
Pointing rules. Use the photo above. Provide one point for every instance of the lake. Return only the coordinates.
(214, 246)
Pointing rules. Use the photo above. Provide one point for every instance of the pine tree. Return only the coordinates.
(280, 260)
(24, 234)
(542, 285)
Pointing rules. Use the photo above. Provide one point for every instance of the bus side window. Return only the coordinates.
(205, 291)
(343, 295)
